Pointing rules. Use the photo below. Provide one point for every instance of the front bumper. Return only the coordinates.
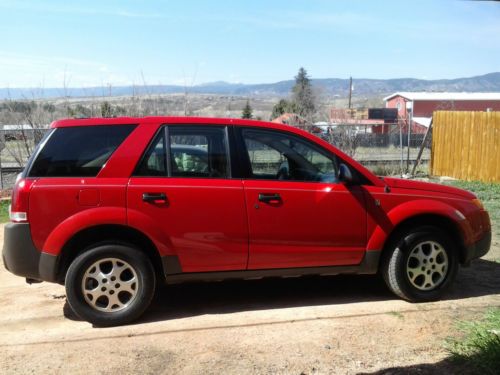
(22, 258)
(478, 249)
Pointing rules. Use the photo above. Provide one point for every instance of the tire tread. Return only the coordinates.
(395, 257)
(100, 319)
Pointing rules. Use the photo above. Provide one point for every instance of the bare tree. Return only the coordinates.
(344, 134)
(30, 120)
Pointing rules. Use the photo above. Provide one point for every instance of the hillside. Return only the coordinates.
(328, 86)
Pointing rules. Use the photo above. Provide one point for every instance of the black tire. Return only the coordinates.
(432, 277)
(131, 284)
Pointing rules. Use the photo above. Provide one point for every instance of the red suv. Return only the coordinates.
(111, 207)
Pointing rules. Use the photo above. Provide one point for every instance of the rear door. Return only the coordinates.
(183, 186)
(299, 214)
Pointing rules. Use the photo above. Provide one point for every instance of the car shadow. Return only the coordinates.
(191, 299)
(482, 278)
(225, 297)
(230, 296)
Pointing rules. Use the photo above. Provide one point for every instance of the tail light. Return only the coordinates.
(18, 211)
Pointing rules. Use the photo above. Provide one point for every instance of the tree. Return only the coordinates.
(282, 107)
(247, 111)
(303, 95)
(106, 109)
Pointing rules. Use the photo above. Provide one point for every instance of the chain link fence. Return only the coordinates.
(381, 148)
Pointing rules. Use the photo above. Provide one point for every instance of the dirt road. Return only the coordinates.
(343, 325)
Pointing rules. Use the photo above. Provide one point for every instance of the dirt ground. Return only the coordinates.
(341, 325)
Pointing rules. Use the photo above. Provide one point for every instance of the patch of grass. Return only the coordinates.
(485, 191)
(479, 346)
(396, 314)
(4, 211)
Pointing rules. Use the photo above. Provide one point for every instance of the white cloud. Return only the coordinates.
(24, 70)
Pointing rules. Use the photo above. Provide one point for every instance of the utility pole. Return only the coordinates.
(409, 106)
(424, 142)
(350, 91)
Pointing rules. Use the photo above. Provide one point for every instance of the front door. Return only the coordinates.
(299, 214)
(186, 193)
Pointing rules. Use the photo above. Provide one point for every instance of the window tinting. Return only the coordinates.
(278, 156)
(198, 151)
(154, 162)
(78, 151)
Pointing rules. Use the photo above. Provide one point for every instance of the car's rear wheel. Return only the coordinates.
(110, 284)
(421, 265)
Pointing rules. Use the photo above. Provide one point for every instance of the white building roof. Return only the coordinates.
(22, 127)
(424, 121)
(17, 127)
(446, 95)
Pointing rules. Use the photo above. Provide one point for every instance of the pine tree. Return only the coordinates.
(247, 111)
(303, 95)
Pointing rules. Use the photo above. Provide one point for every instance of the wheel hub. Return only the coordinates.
(110, 285)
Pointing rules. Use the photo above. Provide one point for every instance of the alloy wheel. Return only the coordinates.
(110, 285)
(427, 265)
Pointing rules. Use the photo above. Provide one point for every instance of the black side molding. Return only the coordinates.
(369, 265)
(171, 265)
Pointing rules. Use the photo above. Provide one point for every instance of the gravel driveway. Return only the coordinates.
(313, 325)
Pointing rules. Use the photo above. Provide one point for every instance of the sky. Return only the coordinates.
(188, 42)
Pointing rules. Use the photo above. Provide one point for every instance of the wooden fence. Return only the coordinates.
(466, 145)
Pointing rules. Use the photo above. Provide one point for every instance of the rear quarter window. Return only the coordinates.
(78, 151)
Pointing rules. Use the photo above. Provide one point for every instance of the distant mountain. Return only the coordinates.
(329, 86)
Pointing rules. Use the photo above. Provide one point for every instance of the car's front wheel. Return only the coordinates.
(110, 284)
(422, 265)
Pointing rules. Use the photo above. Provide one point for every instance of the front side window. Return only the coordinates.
(278, 156)
(79, 151)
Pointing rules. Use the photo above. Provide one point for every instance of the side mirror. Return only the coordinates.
(345, 174)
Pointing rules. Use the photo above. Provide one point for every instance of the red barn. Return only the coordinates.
(422, 104)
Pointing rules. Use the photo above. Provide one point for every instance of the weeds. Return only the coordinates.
(479, 344)
(4, 211)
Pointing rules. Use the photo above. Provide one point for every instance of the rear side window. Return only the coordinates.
(193, 151)
(198, 151)
(78, 151)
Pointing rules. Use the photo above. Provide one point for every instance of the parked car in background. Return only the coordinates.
(112, 207)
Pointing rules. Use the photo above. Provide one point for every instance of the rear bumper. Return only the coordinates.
(22, 258)
(478, 249)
